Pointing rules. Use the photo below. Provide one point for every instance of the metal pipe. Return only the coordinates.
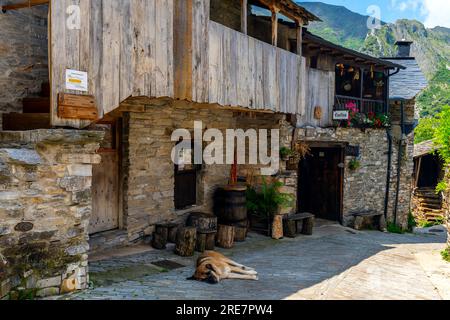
(400, 155)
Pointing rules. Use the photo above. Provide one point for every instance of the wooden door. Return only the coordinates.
(320, 191)
(105, 183)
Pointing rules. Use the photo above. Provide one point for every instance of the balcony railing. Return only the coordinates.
(364, 106)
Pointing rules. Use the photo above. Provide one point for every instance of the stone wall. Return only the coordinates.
(23, 55)
(45, 205)
(148, 168)
(365, 187)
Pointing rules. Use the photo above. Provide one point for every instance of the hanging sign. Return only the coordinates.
(76, 80)
(341, 115)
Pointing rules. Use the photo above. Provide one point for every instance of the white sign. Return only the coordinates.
(341, 115)
(76, 80)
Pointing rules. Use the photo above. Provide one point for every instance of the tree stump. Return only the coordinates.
(240, 233)
(225, 237)
(204, 222)
(205, 241)
(290, 228)
(172, 235)
(277, 227)
(308, 226)
(210, 241)
(186, 241)
(160, 236)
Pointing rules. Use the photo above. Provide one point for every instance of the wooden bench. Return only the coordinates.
(367, 219)
(300, 223)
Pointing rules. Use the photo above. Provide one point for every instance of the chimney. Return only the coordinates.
(404, 48)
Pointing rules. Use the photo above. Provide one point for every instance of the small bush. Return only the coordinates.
(446, 254)
(394, 228)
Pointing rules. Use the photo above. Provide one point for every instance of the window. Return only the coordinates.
(186, 173)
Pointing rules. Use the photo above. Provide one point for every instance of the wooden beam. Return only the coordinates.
(299, 39)
(27, 4)
(275, 11)
(244, 5)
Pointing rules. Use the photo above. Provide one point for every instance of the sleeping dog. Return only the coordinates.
(212, 267)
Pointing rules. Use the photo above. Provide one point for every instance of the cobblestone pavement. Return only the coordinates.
(335, 263)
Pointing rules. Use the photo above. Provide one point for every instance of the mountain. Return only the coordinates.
(431, 46)
(339, 24)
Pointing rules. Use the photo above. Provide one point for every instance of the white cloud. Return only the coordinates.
(437, 13)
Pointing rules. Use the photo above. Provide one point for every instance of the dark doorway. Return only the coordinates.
(321, 183)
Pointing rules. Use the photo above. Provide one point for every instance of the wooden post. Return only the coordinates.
(160, 237)
(186, 241)
(299, 38)
(362, 91)
(244, 4)
(172, 235)
(275, 11)
(225, 237)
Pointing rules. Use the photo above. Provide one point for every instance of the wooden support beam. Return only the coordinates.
(26, 4)
(275, 11)
(244, 5)
(299, 39)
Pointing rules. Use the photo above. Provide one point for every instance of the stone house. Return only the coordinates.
(85, 150)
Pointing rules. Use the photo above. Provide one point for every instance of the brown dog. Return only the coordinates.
(212, 267)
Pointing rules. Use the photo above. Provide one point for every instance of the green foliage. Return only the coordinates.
(442, 134)
(354, 164)
(285, 152)
(266, 202)
(425, 130)
(394, 228)
(441, 187)
(446, 254)
(429, 224)
(411, 222)
(437, 95)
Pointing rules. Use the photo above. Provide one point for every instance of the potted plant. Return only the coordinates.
(265, 203)
(285, 153)
(354, 164)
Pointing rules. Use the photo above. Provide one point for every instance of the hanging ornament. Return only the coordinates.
(357, 76)
(371, 72)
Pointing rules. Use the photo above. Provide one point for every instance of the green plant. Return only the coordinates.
(394, 228)
(428, 224)
(446, 254)
(266, 202)
(285, 152)
(354, 164)
(411, 222)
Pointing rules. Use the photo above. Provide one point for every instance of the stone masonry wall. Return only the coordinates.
(45, 205)
(148, 168)
(23, 55)
(365, 188)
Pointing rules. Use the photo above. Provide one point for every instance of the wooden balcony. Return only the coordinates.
(246, 72)
(364, 106)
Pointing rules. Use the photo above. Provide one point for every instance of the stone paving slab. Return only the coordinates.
(335, 263)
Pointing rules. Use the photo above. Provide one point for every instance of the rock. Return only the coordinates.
(48, 292)
(49, 282)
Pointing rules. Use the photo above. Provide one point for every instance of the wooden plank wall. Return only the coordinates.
(125, 46)
(320, 91)
(246, 72)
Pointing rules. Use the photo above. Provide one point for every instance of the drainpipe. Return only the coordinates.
(400, 155)
(389, 169)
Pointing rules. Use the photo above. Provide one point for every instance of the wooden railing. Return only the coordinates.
(246, 72)
(365, 106)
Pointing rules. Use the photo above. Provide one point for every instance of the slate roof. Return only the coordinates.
(408, 83)
(424, 148)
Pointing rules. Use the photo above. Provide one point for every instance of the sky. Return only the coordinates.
(430, 12)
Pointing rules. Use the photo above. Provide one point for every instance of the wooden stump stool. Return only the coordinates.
(225, 236)
(160, 236)
(205, 241)
(240, 231)
(172, 233)
(186, 241)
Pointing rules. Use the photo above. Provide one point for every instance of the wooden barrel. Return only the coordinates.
(231, 204)
(204, 222)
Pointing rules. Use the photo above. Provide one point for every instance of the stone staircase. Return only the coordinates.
(428, 204)
(36, 113)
